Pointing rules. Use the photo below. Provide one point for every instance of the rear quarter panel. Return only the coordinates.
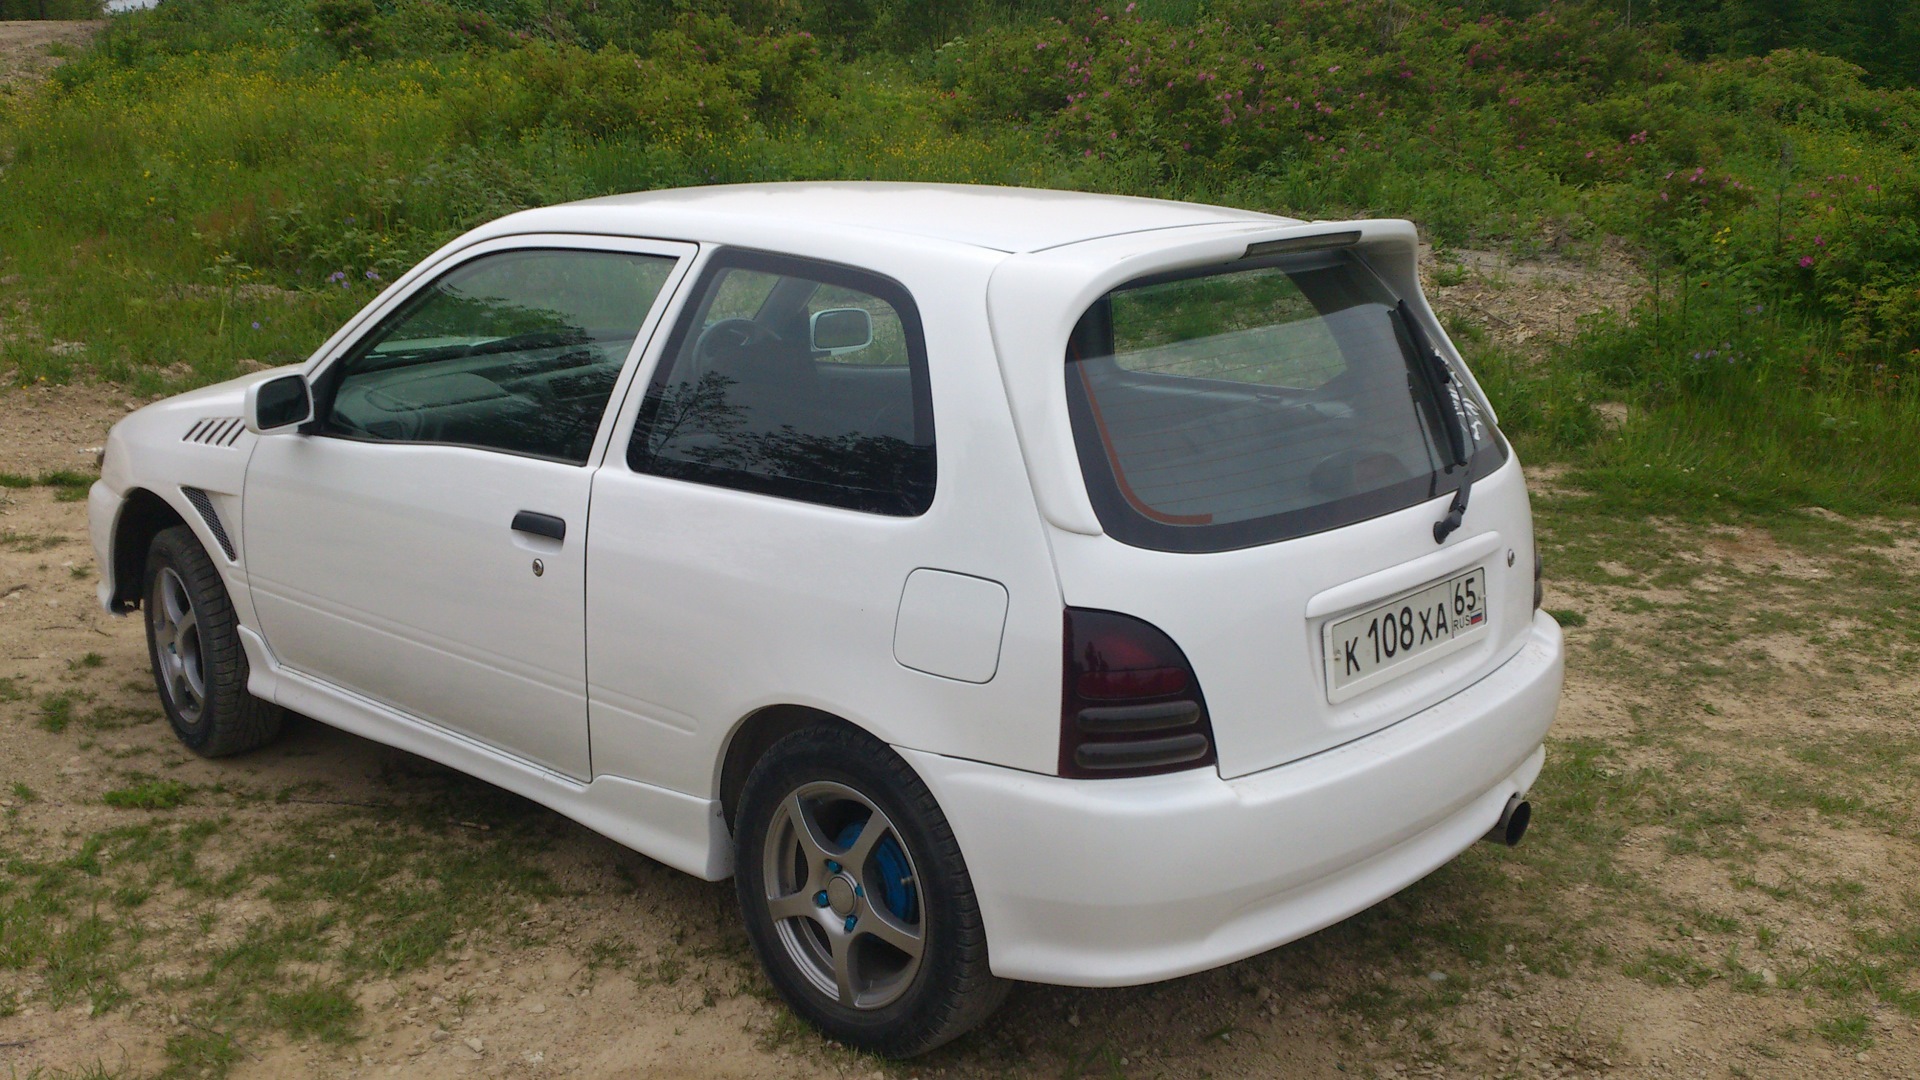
(706, 605)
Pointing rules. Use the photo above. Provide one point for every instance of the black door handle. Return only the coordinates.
(527, 521)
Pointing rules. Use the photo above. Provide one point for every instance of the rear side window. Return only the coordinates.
(796, 379)
(1244, 405)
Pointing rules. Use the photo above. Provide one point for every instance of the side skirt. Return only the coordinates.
(680, 830)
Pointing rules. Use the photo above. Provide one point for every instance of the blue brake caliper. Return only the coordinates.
(898, 893)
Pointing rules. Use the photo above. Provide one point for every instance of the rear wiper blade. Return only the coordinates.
(1446, 395)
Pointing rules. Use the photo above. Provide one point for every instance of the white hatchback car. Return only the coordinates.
(998, 584)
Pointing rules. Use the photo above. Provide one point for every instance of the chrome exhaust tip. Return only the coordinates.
(1512, 824)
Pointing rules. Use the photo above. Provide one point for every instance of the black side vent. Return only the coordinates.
(205, 505)
(215, 431)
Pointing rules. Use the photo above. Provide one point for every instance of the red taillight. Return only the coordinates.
(1129, 702)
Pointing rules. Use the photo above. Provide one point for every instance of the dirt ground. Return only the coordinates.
(23, 45)
(532, 999)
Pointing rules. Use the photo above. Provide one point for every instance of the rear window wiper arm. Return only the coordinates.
(1446, 395)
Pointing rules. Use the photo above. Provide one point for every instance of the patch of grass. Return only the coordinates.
(89, 660)
(63, 479)
(198, 1052)
(24, 793)
(29, 543)
(56, 711)
(1664, 967)
(327, 1013)
(149, 793)
(1793, 791)
(10, 689)
(666, 970)
(1567, 617)
(81, 962)
(1846, 1029)
(355, 893)
(612, 952)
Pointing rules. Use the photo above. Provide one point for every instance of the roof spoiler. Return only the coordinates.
(1295, 244)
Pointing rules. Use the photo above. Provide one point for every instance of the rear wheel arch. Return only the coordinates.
(755, 735)
(143, 516)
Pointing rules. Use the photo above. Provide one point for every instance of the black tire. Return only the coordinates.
(919, 885)
(193, 643)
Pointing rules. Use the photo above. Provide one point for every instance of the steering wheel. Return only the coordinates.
(728, 335)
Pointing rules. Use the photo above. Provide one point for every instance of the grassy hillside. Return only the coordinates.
(51, 9)
(221, 183)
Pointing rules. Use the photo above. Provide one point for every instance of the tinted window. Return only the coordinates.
(517, 352)
(1240, 406)
(757, 393)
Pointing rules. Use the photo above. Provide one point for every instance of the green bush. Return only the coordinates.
(52, 9)
(222, 181)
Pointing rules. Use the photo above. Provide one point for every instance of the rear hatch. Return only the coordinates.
(1267, 442)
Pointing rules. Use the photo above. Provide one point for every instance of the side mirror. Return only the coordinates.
(274, 405)
(840, 330)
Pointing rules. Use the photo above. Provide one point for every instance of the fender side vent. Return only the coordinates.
(215, 431)
(204, 504)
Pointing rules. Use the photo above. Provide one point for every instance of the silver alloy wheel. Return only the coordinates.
(821, 896)
(176, 645)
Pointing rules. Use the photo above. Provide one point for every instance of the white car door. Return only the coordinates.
(422, 542)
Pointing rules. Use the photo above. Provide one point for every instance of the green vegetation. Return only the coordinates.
(28, 543)
(217, 185)
(149, 793)
(52, 9)
(56, 711)
(1882, 36)
(359, 893)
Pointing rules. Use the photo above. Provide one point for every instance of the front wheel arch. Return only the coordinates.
(143, 515)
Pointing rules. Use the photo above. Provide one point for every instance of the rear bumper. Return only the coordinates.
(1117, 882)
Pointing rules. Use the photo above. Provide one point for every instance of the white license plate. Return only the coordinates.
(1382, 642)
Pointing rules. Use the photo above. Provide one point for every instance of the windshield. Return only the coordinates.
(1230, 407)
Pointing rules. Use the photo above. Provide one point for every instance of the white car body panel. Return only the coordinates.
(1132, 881)
(1250, 620)
(950, 625)
(688, 608)
(707, 604)
(166, 462)
(391, 572)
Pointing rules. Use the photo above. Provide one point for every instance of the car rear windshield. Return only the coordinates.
(1242, 405)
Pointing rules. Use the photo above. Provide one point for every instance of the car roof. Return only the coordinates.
(996, 218)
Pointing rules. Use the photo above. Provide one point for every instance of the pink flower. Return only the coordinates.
(1806, 261)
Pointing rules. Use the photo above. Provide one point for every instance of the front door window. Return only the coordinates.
(516, 352)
